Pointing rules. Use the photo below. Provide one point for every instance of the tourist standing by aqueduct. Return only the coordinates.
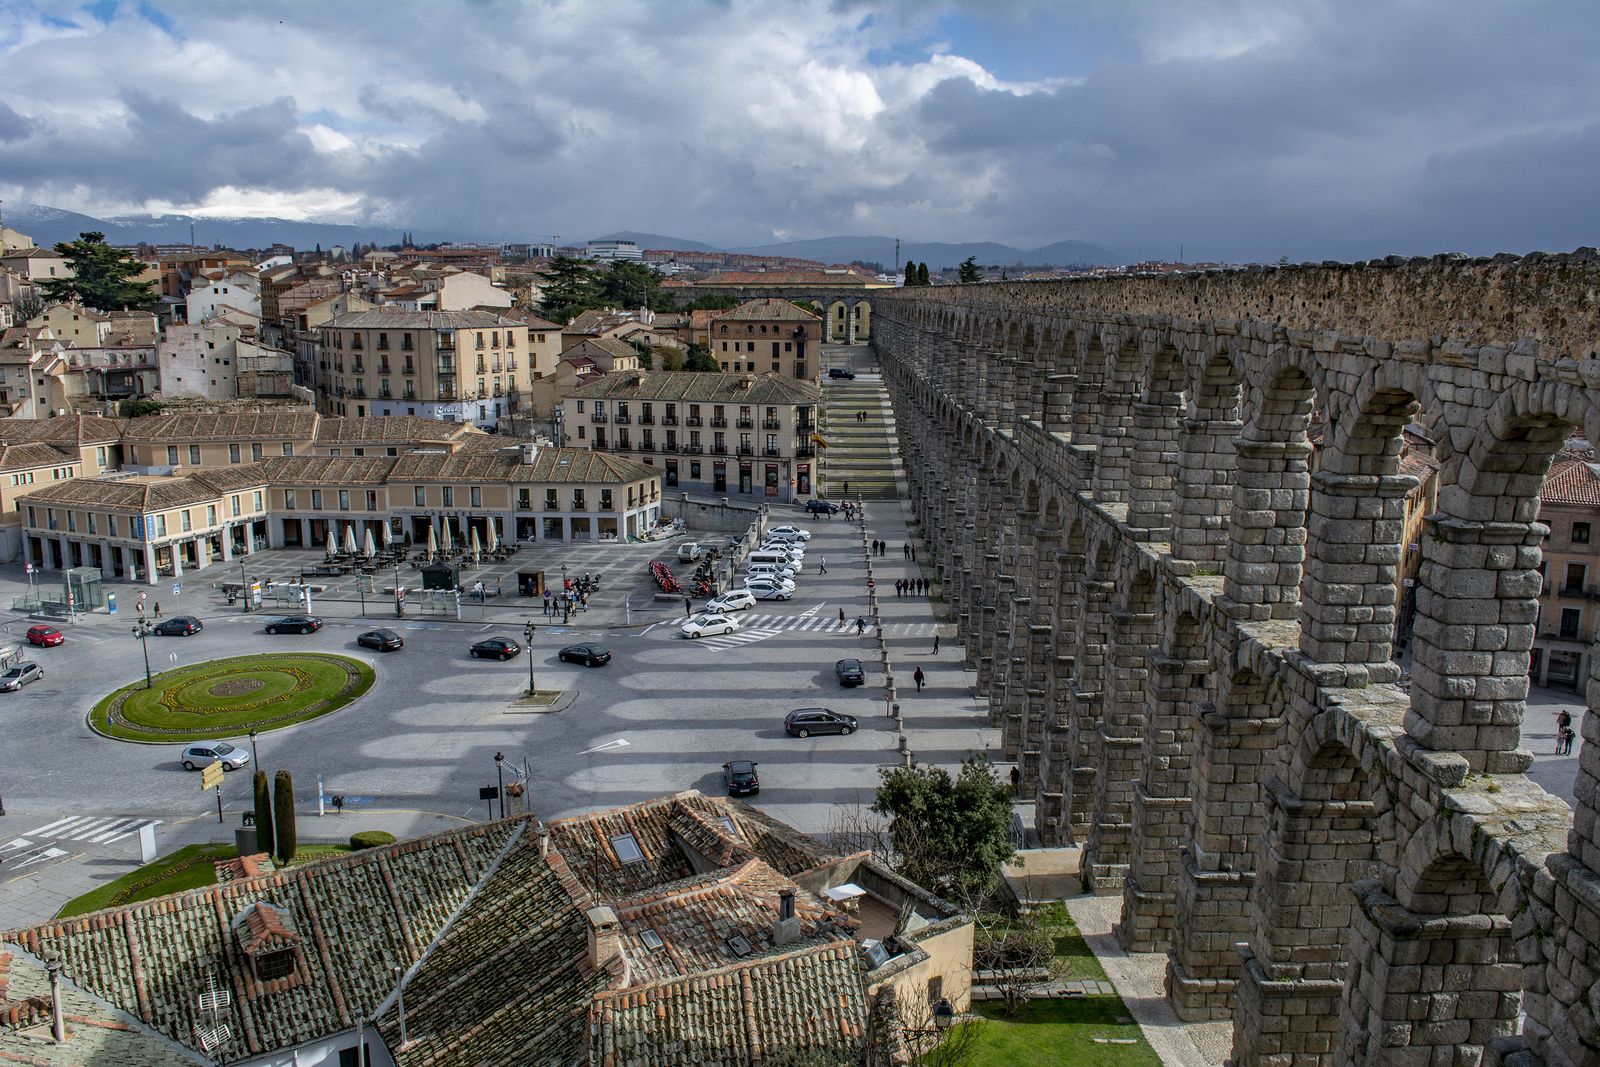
(1185, 632)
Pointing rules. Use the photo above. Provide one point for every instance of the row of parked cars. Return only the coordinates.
(770, 574)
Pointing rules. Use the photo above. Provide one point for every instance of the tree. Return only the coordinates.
(102, 276)
(950, 834)
(922, 274)
(970, 271)
(283, 815)
(132, 409)
(671, 358)
(264, 837)
(26, 306)
(699, 358)
(570, 291)
(630, 285)
(911, 274)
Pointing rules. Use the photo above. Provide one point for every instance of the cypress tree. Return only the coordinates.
(922, 274)
(911, 273)
(283, 809)
(264, 837)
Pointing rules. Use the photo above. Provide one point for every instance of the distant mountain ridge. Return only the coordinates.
(937, 255)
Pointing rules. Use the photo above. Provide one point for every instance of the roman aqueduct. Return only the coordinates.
(1185, 631)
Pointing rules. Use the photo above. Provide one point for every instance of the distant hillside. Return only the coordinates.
(937, 255)
(656, 240)
(48, 225)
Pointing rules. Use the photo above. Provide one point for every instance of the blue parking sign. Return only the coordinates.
(177, 587)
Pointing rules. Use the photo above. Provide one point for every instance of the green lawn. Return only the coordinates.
(230, 697)
(188, 868)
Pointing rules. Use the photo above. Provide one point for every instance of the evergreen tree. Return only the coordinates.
(630, 285)
(699, 358)
(970, 271)
(911, 273)
(102, 276)
(922, 274)
(283, 812)
(264, 837)
(951, 834)
(571, 289)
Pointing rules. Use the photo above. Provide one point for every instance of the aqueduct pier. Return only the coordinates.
(1185, 631)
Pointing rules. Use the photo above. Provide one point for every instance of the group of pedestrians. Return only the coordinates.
(879, 547)
(909, 551)
(1564, 733)
(911, 587)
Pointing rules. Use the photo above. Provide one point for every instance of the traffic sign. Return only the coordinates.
(27, 568)
(177, 587)
(870, 583)
(211, 775)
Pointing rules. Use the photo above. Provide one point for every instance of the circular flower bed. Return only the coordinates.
(229, 697)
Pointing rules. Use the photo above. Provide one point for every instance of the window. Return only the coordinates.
(194, 455)
(234, 500)
(627, 849)
(580, 407)
(651, 939)
(255, 450)
(1576, 572)
(289, 500)
(256, 499)
(233, 453)
(172, 455)
(577, 500)
(288, 449)
(271, 965)
(161, 526)
(185, 522)
(419, 496)
(605, 500)
(477, 496)
(372, 500)
(551, 503)
(72, 521)
(211, 514)
(344, 500)
(449, 494)
(316, 500)
(524, 500)
(1570, 619)
(111, 525)
(92, 523)
(353, 1057)
(99, 453)
(1580, 533)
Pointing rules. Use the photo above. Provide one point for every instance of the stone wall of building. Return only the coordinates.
(1185, 633)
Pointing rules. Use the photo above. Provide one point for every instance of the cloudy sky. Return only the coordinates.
(1238, 130)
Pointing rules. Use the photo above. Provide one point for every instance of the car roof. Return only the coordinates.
(740, 765)
(848, 663)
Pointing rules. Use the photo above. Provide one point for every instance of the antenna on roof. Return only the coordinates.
(213, 1004)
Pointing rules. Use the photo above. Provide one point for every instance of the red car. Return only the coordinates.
(44, 636)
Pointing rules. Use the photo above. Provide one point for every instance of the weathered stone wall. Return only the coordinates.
(1185, 634)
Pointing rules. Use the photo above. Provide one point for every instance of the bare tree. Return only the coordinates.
(937, 1046)
(856, 828)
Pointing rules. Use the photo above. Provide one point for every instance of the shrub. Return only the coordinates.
(370, 839)
(283, 810)
(264, 838)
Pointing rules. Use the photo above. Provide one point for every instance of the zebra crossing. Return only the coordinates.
(91, 829)
(761, 627)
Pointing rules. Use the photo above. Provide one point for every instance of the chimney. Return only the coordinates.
(605, 938)
(544, 842)
(58, 1020)
(787, 928)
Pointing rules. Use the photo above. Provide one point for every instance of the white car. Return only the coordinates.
(767, 589)
(708, 623)
(754, 581)
(793, 553)
(732, 600)
(789, 531)
(770, 570)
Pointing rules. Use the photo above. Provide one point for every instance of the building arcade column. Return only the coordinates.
(1056, 751)
(1153, 467)
(1085, 703)
(1204, 491)
(1110, 847)
(1266, 529)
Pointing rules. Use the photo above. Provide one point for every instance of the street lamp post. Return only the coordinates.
(255, 760)
(500, 780)
(566, 597)
(141, 630)
(399, 605)
(244, 586)
(527, 635)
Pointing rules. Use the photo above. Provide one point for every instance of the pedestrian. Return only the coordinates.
(922, 587)
(822, 564)
(841, 616)
(847, 490)
(936, 642)
(1016, 779)
(913, 553)
(1564, 738)
(158, 609)
(899, 587)
(905, 550)
(688, 610)
(917, 677)
(861, 625)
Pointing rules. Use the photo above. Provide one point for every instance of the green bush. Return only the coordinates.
(264, 838)
(283, 810)
(370, 839)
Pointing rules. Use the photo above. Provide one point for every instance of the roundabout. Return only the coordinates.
(228, 697)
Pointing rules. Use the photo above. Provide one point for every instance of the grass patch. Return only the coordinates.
(230, 697)
(1048, 1033)
(188, 868)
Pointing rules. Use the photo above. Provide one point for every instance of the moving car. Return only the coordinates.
(294, 624)
(788, 532)
(45, 636)
(769, 588)
(803, 722)
(821, 507)
(496, 648)
(588, 655)
(19, 675)
(701, 625)
(841, 372)
(740, 777)
(178, 626)
(205, 753)
(850, 672)
(382, 640)
(732, 600)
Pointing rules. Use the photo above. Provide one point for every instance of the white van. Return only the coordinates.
(774, 557)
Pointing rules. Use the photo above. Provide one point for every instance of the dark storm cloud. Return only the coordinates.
(13, 127)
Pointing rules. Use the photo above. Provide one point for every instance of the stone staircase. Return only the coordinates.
(859, 453)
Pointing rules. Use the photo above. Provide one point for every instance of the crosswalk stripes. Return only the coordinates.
(93, 830)
(723, 642)
(761, 627)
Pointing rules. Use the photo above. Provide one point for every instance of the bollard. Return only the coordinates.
(894, 712)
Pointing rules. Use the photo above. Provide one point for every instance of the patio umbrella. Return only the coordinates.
(494, 540)
(370, 548)
(350, 539)
(333, 545)
(474, 546)
(449, 542)
(388, 536)
(433, 542)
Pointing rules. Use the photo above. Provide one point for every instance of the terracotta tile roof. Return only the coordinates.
(683, 385)
(812, 999)
(97, 1033)
(598, 320)
(392, 318)
(1571, 481)
(27, 457)
(255, 425)
(74, 430)
(609, 345)
(766, 310)
(523, 315)
(324, 470)
(241, 867)
(134, 494)
(390, 429)
(581, 466)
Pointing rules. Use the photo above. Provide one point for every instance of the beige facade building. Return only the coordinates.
(1569, 597)
(741, 435)
(768, 336)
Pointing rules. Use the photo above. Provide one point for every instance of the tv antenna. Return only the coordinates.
(214, 1004)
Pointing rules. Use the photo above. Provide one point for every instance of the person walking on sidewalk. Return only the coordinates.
(861, 625)
(688, 609)
(905, 550)
(822, 564)
(158, 609)
(917, 676)
(936, 642)
(1563, 722)
(841, 616)
(913, 553)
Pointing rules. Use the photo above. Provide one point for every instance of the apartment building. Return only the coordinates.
(725, 434)
(768, 337)
(456, 366)
(1569, 598)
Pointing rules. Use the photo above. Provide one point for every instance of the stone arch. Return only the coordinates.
(1154, 463)
(1205, 466)
(1086, 404)
(1118, 398)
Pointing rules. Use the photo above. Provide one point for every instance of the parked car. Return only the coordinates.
(45, 636)
(768, 589)
(788, 532)
(803, 722)
(841, 372)
(732, 600)
(496, 648)
(753, 582)
(294, 624)
(690, 551)
(740, 778)
(850, 672)
(821, 507)
(178, 626)
(205, 753)
(770, 570)
(19, 675)
(701, 625)
(384, 640)
(588, 655)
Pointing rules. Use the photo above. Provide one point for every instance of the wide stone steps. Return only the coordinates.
(859, 452)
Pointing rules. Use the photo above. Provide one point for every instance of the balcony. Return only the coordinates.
(598, 416)
(446, 366)
(771, 452)
(802, 451)
(408, 369)
(746, 450)
(623, 418)
(719, 450)
(769, 424)
(624, 445)
(805, 427)
(383, 368)
(357, 368)
(692, 450)
(693, 420)
(719, 424)
(747, 424)
(647, 420)
(410, 394)
(669, 420)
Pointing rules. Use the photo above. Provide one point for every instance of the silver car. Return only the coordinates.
(19, 675)
(205, 753)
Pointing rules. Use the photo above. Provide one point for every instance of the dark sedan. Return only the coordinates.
(496, 648)
(803, 722)
(740, 777)
(588, 655)
(178, 626)
(821, 507)
(850, 672)
(295, 624)
(381, 640)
